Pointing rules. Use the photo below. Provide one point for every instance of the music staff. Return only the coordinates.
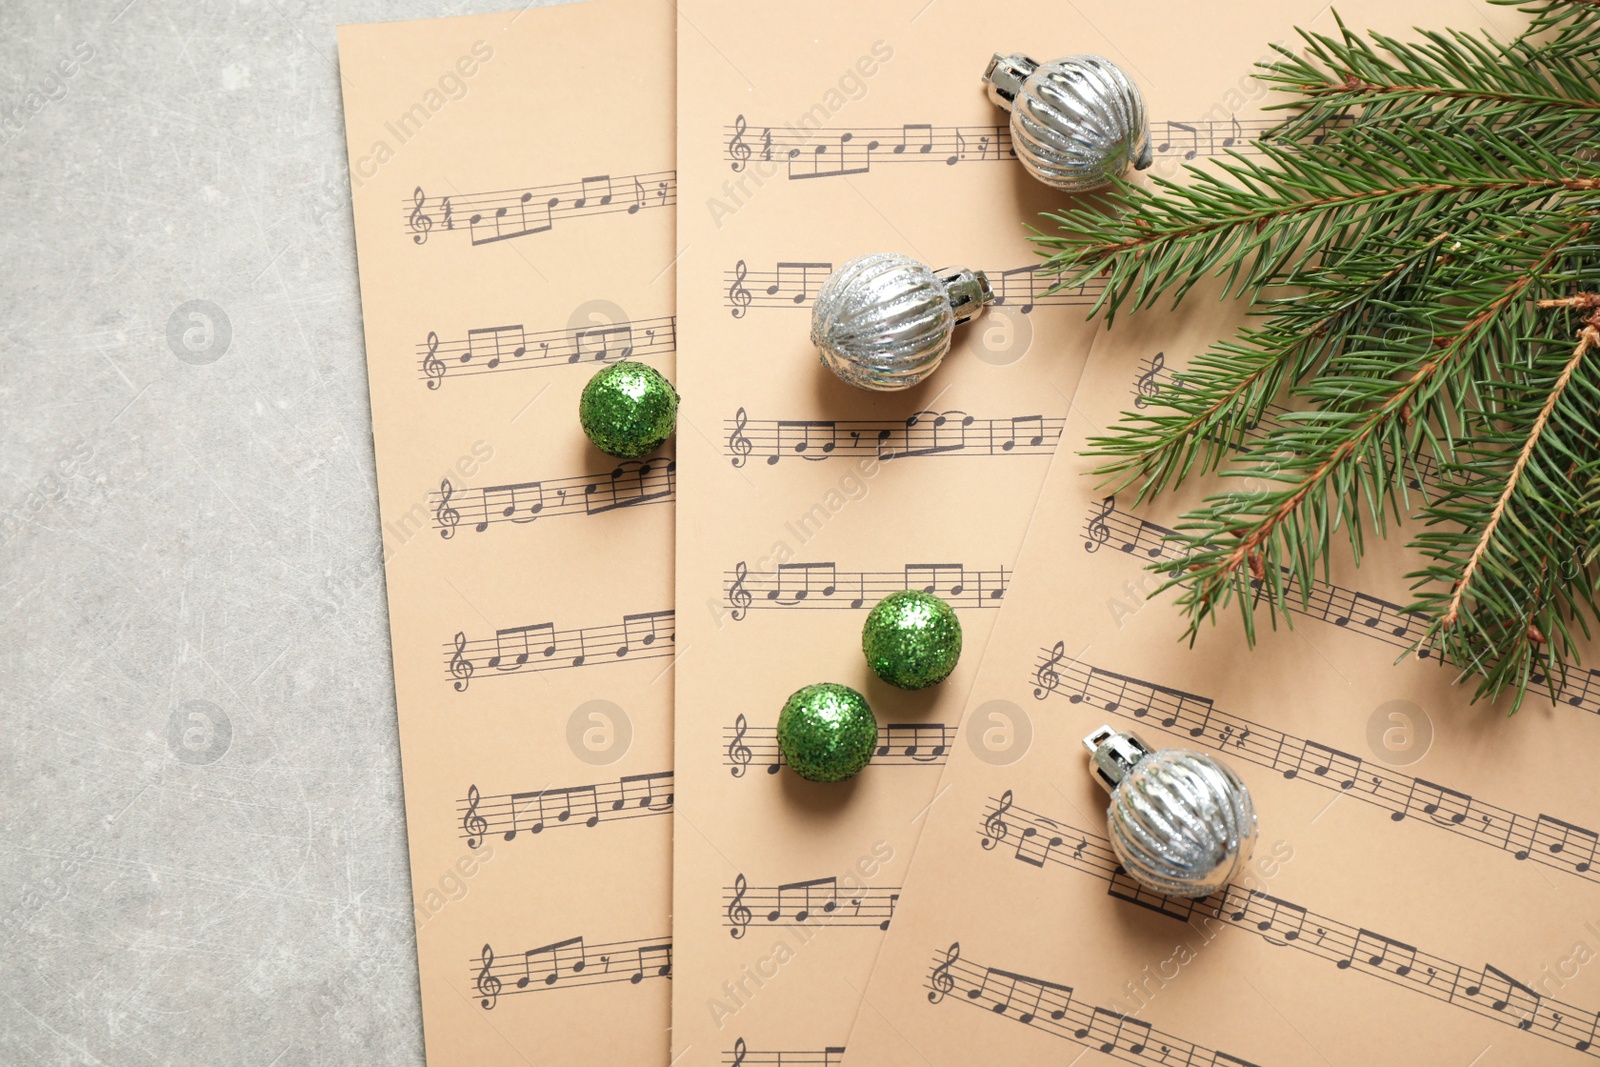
(629, 484)
(489, 349)
(569, 963)
(1054, 1008)
(814, 902)
(900, 744)
(1347, 609)
(1545, 839)
(921, 434)
(1485, 991)
(741, 1056)
(506, 214)
(837, 153)
(1155, 381)
(824, 586)
(633, 796)
(793, 284)
(542, 647)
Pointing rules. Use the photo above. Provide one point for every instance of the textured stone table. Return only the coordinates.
(203, 857)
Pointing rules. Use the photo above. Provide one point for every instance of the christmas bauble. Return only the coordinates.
(1075, 123)
(912, 639)
(1180, 822)
(884, 321)
(826, 732)
(628, 409)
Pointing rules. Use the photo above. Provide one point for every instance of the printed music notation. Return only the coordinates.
(824, 586)
(629, 484)
(900, 744)
(1154, 381)
(742, 1056)
(1545, 839)
(1346, 609)
(1053, 1008)
(487, 218)
(541, 647)
(1485, 991)
(836, 153)
(569, 963)
(814, 902)
(633, 796)
(792, 284)
(489, 349)
(923, 433)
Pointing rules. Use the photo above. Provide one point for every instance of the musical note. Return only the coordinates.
(661, 954)
(994, 827)
(1505, 992)
(941, 979)
(487, 984)
(738, 444)
(474, 824)
(739, 753)
(736, 146)
(1587, 841)
(446, 516)
(1376, 949)
(1147, 386)
(633, 627)
(419, 221)
(1099, 531)
(739, 597)
(738, 295)
(1046, 677)
(803, 290)
(911, 740)
(432, 366)
(460, 665)
(738, 911)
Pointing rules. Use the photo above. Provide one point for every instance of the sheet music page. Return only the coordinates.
(810, 135)
(1424, 888)
(514, 216)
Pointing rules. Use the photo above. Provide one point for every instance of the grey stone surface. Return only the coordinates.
(203, 858)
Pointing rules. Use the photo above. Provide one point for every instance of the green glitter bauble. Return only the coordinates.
(912, 640)
(628, 409)
(827, 732)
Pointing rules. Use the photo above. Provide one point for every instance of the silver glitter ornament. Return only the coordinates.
(1180, 822)
(1076, 123)
(884, 321)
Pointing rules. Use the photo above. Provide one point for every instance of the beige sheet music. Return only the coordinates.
(1424, 889)
(514, 219)
(808, 135)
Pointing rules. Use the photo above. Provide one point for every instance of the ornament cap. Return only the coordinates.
(969, 291)
(1113, 754)
(1003, 80)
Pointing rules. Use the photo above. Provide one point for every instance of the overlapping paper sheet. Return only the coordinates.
(514, 218)
(1425, 886)
(810, 135)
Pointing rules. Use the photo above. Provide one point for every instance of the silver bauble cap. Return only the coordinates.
(1076, 122)
(1180, 822)
(884, 321)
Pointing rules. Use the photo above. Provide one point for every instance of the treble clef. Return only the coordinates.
(488, 984)
(738, 1052)
(738, 443)
(421, 222)
(1099, 532)
(994, 827)
(736, 146)
(1147, 385)
(460, 665)
(738, 295)
(447, 516)
(473, 823)
(432, 365)
(738, 910)
(738, 752)
(941, 979)
(739, 596)
(1049, 681)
